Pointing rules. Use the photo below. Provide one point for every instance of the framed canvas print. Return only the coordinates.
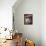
(28, 19)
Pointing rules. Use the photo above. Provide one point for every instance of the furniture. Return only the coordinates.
(18, 39)
(29, 43)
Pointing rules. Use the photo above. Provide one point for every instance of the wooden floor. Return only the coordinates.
(9, 43)
(16, 41)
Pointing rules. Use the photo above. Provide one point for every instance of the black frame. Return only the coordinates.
(28, 19)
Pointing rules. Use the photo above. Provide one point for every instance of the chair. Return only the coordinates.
(18, 37)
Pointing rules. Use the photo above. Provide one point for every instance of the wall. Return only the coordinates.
(6, 13)
(29, 31)
(43, 22)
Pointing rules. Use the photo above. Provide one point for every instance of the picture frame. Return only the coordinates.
(28, 19)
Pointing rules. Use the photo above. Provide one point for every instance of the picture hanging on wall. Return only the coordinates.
(28, 19)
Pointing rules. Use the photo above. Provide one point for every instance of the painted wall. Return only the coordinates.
(43, 22)
(29, 31)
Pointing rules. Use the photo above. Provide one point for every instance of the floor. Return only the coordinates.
(16, 41)
(9, 43)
